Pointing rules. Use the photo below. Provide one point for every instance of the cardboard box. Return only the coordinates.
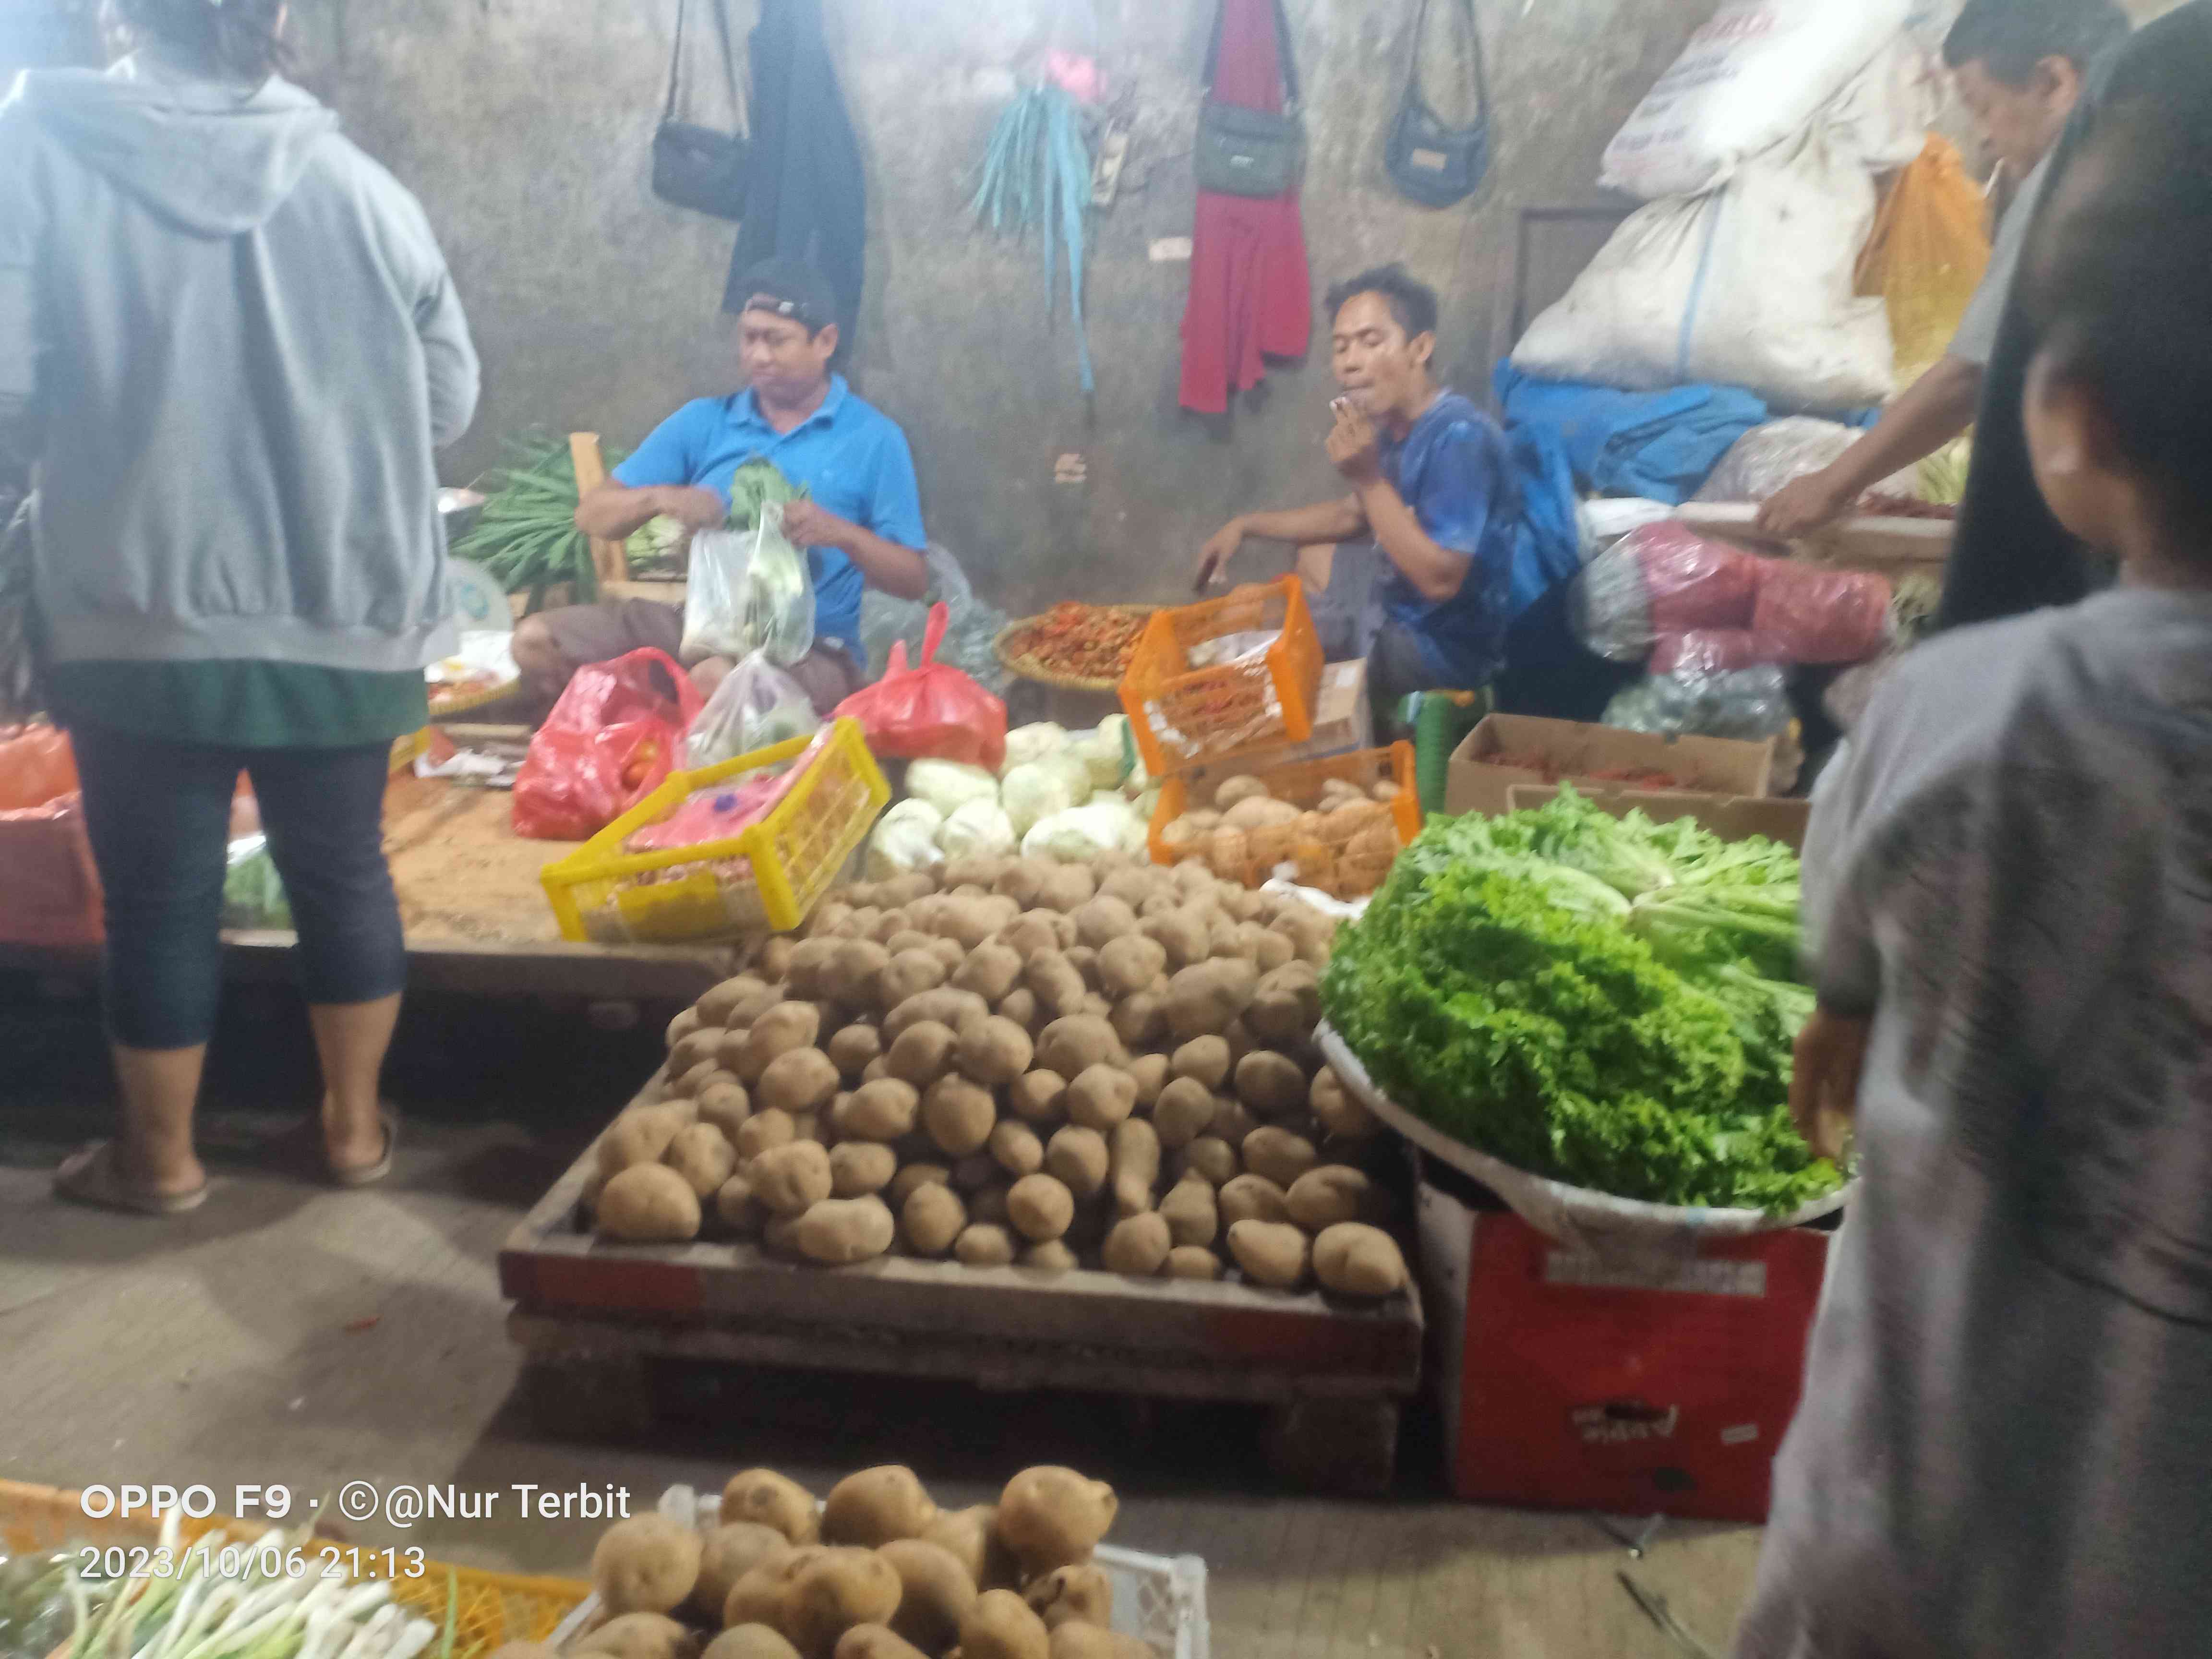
(1570, 1382)
(1475, 782)
(1343, 723)
(1732, 818)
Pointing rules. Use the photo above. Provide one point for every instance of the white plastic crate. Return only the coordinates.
(1159, 1599)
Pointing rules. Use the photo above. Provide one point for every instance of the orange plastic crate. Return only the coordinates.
(1183, 716)
(1323, 863)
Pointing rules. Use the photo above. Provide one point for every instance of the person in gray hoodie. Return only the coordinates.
(229, 346)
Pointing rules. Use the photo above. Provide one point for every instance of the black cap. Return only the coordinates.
(793, 289)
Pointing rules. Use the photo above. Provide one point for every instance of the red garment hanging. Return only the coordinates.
(1251, 295)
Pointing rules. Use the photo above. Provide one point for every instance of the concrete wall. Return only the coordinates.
(524, 124)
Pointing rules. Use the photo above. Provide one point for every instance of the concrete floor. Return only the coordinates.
(288, 1334)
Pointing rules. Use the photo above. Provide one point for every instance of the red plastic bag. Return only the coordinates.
(49, 888)
(37, 765)
(610, 741)
(1817, 615)
(932, 711)
(1664, 579)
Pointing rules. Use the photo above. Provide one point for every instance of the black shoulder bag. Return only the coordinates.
(695, 167)
(1434, 164)
(1251, 152)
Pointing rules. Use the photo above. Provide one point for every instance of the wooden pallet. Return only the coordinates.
(593, 1316)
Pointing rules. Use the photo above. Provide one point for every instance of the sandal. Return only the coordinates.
(300, 1151)
(368, 1175)
(92, 1178)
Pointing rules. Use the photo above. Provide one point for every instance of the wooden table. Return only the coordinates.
(593, 1318)
(1892, 546)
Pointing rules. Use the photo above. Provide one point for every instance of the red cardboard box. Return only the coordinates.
(1568, 1382)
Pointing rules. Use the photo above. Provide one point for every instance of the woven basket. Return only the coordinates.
(1029, 668)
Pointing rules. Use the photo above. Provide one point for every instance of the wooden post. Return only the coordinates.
(608, 558)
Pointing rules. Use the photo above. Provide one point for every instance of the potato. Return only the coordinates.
(983, 1245)
(648, 1204)
(738, 1210)
(1190, 1211)
(1271, 1253)
(970, 1536)
(959, 1116)
(936, 1590)
(883, 1110)
(910, 973)
(1150, 1074)
(1327, 1194)
(874, 1507)
(638, 1636)
(1184, 1111)
(693, 1047)
(1066, 888)
(1129, 963)
(1233, 1122)
(1136, 1165)
(1051, 1517)
(1138, 1021)
(1020, 1006)
(836, 1590)
(797, 1080)
(930, 1218)
(1182, 833)
(727, 1554)
(684, 1027)
(1015, 1148)
(725, 1105)
(1309, 930)
(1204, 1060)
(790, 1179)
(993, 1050)
(1100, 1097)
(1053, 1256)
(1079, 1641)
(1258, 813)
(760, 1597)
(646, 1563)
(1181, 934)
(1279, 1154)
(1285, 1006)
(1253, 1197)
(750, 1641)
(922, 1053)
(852, 978)
(1234, 791)
(1057, 984)
(910, 1176)
(851, 1048)
(976, 872)
(1354, 1259)
(702, 1155)
(949, 954)
(858, 1168)
(1102, 919)
(1203, 999)
(773, 961)
(992, 971)
(1138, 1245)
(1211, 1158)
(1078, 1158)
(1034, 931)
(719, 1002)
(1272, 1084)
(1038, 1098)
(763, 1132)
(1083, 1595)
(1001, 1625)
(953, 1009)
(1071, 1045)
(787, 1026)
(1341, 1116)
(1085, 960)
(1041, 1207)
(1022, 881)
(642, 1134)
(1193, 1262)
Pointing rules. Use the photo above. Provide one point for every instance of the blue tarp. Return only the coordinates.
(1658, 445)
(1547, 541)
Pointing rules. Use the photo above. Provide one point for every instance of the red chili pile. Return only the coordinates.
(1082, 642)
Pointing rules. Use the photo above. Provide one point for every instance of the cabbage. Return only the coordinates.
(1026, 745)
(1083, 833)
(905, 838)
(978, 830)
(1073, 772)
(948, 786)
(1037, 791)
(1102, 758)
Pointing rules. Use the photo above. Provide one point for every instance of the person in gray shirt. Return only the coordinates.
(2019, 66)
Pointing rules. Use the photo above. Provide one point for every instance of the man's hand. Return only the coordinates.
(1352, 446)
(1824, 1079)
(1805, 505)
(808, 524)
(1214, 558)
(692, 507)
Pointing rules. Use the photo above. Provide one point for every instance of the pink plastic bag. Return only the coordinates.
(1817, 615)
(610, 741)
(1662, 579)
(930, 712)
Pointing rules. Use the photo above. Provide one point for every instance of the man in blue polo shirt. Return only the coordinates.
(1420, 579)
(860, 523)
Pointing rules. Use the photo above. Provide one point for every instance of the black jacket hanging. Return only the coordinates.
(1434, 164)
(806, 197)
(694, 167)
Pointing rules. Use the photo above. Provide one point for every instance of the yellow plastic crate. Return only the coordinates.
(792, 855)
(495, 1607)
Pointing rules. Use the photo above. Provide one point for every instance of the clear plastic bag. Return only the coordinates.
(1751, 704)
(252, 891)
(1661, 580)
(757, 706)
(1767, 458)
(972, 625)
(749, 591)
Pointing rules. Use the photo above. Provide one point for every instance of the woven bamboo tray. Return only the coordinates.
(1029, 668)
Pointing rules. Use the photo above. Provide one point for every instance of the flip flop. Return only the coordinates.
(368, 1175)
(90, 1177)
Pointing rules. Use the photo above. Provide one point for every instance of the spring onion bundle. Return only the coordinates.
(1037, 176)
(526, 534)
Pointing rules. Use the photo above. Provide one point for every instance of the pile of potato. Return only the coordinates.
(1009, 1061)
(1343, 842)
(876, 1570)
